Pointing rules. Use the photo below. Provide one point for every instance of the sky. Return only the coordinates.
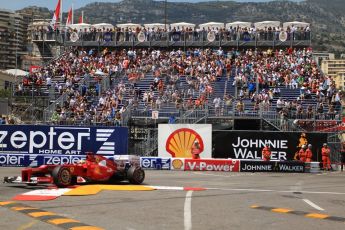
(19, 4)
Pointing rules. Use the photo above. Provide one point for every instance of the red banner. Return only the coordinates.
(212, 165)
(34, 69)
(342, 126)
(320, 125)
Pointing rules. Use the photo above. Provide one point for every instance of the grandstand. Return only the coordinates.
(262, 82)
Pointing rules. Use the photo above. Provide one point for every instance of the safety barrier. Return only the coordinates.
(228, 165)
(35, 145)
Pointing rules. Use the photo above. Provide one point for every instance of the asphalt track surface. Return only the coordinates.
(236, 201)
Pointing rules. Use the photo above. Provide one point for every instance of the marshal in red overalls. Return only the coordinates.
(326, 162)
(196, 150)
(266, 153)
(308, 154)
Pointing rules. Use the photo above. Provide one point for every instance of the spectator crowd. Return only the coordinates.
(186, 79)
(174, 33)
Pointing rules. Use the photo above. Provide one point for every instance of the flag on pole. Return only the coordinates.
(69, 18)
(56, 16)
(81, 18)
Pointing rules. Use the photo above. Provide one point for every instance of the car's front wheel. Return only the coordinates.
(62, 177)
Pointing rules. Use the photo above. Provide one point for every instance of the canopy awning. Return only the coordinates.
(129, 26)
(211, 25)
(155, 26)
(262, 25)
(295, 23)
(80, 26)
(238, 24)
(179, 25)
(103, 26)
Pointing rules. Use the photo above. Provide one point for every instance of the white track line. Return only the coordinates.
(209, 174)
(313, 205)
(188, 211)
(275, 191)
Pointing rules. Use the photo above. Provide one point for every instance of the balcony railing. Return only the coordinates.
(111, 38)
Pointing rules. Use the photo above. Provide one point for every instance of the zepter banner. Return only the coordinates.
(177, 140)
(74, 37)
(34, 145)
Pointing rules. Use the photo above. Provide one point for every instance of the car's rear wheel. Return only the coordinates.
(135, 175)
(62, 177)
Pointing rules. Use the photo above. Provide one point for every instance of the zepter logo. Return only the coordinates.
(177, 164)
(180, 142)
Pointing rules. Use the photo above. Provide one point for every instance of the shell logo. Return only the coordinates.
(177, 164)
(180, 142)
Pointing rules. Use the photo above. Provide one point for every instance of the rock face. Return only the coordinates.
(326, 17)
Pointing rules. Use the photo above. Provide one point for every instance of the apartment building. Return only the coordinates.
(336, 69)
(12, 33)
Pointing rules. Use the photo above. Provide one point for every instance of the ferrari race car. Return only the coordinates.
(95, 168)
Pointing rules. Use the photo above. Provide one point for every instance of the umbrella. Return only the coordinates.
(16, 72)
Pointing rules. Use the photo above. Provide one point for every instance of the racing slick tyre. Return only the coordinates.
(62, 177)
(135, 175)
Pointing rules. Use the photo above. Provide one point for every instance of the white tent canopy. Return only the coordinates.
(129, 26)
(238, 24)
(155, 26)
(103, 25)
(179, 25)
(295, 23)
(80, 26)
(16, 72)
(211, 25)
(262, 25)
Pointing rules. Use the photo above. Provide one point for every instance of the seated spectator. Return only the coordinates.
(240, 107)
(276, 92)
(280, 104)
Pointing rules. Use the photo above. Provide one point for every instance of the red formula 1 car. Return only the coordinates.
(95, 168)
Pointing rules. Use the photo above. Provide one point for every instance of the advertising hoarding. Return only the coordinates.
(248, 145)
(155, 163)
(272, 166)
(212, 165)
(33, 145)
(176, 140)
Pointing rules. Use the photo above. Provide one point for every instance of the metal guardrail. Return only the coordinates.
(48, 112)
(173, 36)
(181, 36)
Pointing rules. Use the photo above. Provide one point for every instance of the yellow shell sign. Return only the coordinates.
(180, 142)
(177, 164)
